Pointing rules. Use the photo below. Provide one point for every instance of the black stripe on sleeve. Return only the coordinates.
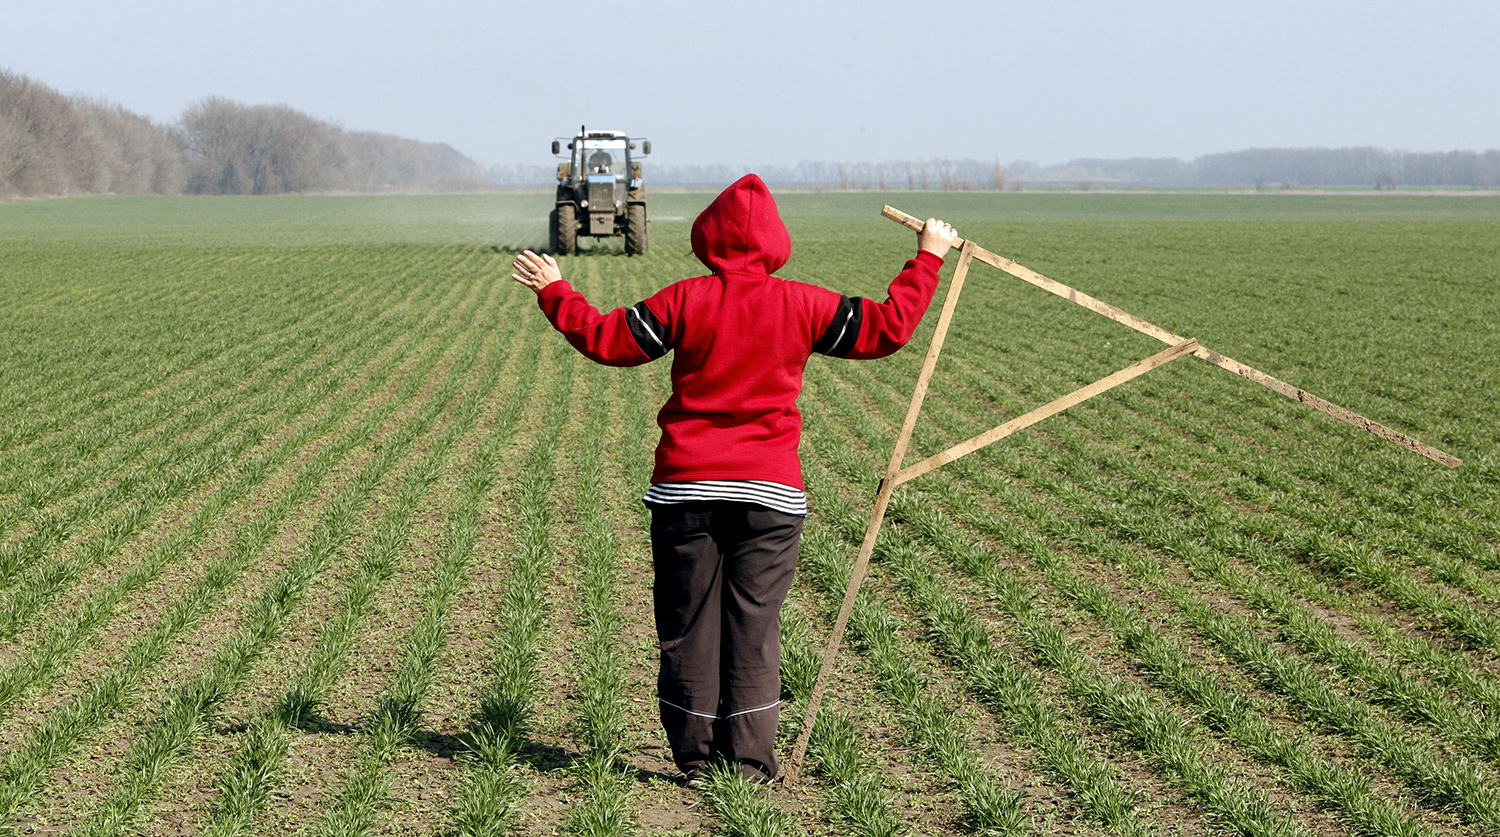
(840, 335)
(649, 332)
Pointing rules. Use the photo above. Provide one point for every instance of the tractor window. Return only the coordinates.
(604, 156)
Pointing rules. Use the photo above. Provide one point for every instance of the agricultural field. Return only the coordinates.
(309, 524)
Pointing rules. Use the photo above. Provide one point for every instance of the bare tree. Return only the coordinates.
(259, 149)
(53, 145)
(12, 139)
(138, 156)
(39, 117)
(997, 176)
(945, 174)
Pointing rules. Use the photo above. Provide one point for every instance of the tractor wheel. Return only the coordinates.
(565, 229)
(637, 229)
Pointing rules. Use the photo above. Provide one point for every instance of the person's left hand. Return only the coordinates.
(535, 272)
(937, 237)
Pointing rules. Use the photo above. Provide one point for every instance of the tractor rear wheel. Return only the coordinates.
(565, 229)
(637, 229)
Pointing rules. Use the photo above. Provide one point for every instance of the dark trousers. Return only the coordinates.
(722, 572)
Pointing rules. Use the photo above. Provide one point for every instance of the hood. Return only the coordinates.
(741, 232)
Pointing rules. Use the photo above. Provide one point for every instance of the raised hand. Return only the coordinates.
(937, 237)
(535, 272)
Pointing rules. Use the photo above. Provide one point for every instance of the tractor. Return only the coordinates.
(599, 191)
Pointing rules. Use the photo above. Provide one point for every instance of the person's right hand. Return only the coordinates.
(535, 272)
(937, 237)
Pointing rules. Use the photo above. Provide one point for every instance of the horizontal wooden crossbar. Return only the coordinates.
(1322, 405)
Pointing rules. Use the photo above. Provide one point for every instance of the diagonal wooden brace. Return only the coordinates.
(1078, 396)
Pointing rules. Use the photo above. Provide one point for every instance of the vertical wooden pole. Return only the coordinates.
(939, 334)
(882, 499)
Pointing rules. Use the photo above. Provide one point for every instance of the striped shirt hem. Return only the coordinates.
(772, 495)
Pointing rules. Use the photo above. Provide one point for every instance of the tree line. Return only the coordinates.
(1262, 168)
(1377, 168)
(56, 145)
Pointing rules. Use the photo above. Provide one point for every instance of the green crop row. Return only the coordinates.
(56, 737)
(397, 715)
(1215, 525)
(1370, 549)
(115, 428)
(1220, 521)
(858, 800)
(604, 782)
(247, 780)
(186, 712)
(1209, 512)
(1213, 528)
(84, 454)
(68, 636)
(81, 393)
(1227, 711)
(997, 681)
(990, 807)
(103, 437)
(49, 742)
(46, 580)
(1303, 469)
(492, 787)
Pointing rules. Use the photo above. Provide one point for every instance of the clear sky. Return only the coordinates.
(778, 81)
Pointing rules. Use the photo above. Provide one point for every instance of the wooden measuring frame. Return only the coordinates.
(896, 475)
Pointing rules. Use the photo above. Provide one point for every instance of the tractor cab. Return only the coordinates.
(599, 162)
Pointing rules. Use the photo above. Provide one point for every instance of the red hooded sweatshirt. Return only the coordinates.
(741, 338)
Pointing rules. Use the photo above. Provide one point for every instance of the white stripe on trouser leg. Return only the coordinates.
(716, 717)
(689, 711)
(757, 709)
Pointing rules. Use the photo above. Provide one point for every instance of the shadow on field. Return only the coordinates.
(545, 758)
(511, 252)
(539, 756)
(641, 774)
(599, 250)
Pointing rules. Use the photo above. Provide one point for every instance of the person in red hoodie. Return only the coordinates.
(726, 494)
